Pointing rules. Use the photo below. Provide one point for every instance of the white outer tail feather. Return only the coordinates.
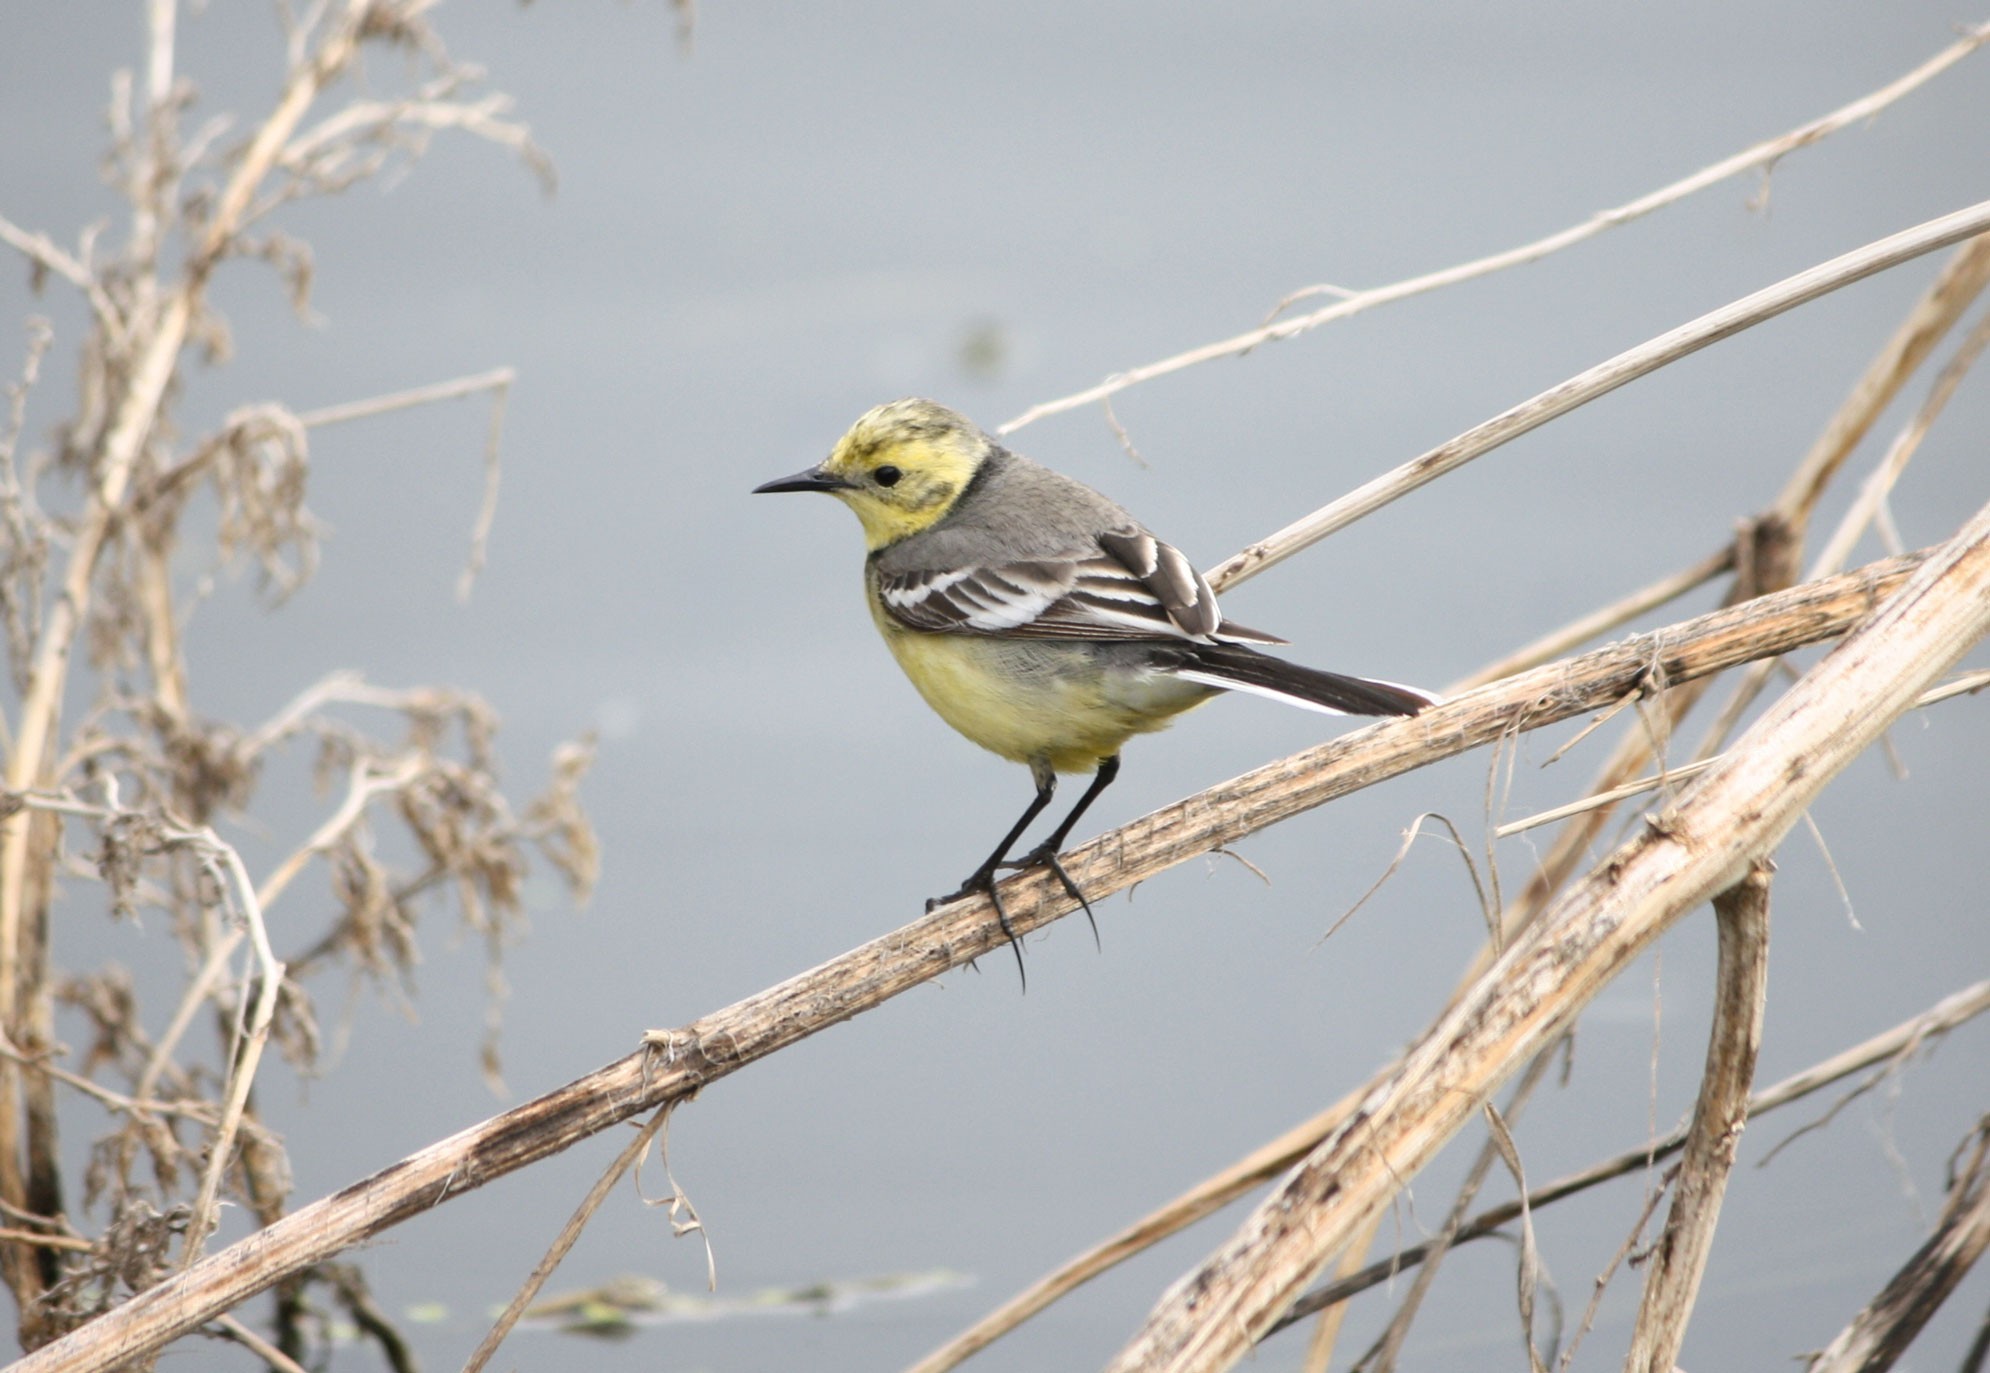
(1229, 684)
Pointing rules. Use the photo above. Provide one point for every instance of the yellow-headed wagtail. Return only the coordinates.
(1039, 618)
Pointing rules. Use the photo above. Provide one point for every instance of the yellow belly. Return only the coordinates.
(1036, 701)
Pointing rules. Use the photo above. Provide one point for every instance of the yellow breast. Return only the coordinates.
(1030, 700)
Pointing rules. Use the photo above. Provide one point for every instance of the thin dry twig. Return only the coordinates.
(1762, 154)
(259, 1346)
(1598, 799)
(480, 532)
(1530, 1271)
(1960, 281)
(242, 1069)
(564, 1242)
(41, 250)
(35, 1237)
(1866, 506)
(497, 380)
(1626, 1250)
(1600, 719)
(1410, 837)
(368, 780)
(203, 1112)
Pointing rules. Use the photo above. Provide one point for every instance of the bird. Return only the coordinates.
(1039, 618)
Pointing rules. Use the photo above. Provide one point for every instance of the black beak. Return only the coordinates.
(811, 479)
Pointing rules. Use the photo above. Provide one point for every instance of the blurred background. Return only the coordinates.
(813, 209)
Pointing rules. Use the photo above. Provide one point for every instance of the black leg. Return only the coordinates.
(1044, 855)
(1046, 787)
(1054, 845)
(982, 879)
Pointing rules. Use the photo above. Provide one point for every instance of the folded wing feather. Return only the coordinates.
(1134, 587)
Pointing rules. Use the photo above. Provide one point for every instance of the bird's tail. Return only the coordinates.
(1237, 668)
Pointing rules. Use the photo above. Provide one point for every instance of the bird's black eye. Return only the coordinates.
(887, 475)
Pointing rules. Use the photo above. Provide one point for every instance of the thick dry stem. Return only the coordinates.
(948, 937)
(1732, 816)
(1679, 1259)
(1326, 1333)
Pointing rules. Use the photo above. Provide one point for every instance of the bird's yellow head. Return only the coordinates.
(901, 468)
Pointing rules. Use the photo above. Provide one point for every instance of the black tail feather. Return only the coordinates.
(1249, 669)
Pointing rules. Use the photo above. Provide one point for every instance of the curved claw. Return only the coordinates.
(1038, 858)
(983, 882)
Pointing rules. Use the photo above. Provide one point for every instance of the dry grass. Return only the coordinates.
(135, 792)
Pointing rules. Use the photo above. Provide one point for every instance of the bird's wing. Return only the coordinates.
(1133, 587)
(1168, 578)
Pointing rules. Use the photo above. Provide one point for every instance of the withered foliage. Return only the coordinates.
(118, 790)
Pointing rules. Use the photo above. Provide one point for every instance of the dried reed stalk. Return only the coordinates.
(1326, 1334)
(1679, 1257)
(1729, 818)
(678, 1063)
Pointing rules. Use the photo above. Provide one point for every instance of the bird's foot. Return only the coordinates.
(1043, 856)
(982, 882)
